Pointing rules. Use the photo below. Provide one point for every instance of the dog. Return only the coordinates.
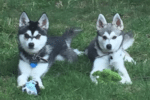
(107, 50)
(38, 51)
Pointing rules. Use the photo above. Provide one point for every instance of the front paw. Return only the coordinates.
(94, 79)
(124, 81)
(21, 83)
(41, 87)
(129, 59)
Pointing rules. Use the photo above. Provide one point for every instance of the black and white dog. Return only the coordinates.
(107, 50)
(38, 51)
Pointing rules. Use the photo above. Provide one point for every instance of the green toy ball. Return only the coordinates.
(107, 76)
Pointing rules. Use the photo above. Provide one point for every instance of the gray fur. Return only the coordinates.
(93, 48)
(69, 34)
(69, 54)
(91, 51)
(109, 28)
(54, 47)
(128, 40)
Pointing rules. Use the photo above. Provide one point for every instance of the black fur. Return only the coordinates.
(92, 52)
(37, 87)
(58, 46)
(33, 26)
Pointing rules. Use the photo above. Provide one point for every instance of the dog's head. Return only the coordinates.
(33, 35)
(109, 35)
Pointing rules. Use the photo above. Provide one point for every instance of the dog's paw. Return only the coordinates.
(128, 82)
(41, 87)
(19, 86)
(21, 83)
(79, 53)
(129, 59)
(124, 81)
(134, 62)
(94, 79)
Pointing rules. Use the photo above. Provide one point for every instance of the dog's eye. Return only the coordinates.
(38, 36)
(104, 37)
(114, 37)
(26, 36)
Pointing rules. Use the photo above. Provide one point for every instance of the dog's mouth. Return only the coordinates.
(107, 51)
(31, 48)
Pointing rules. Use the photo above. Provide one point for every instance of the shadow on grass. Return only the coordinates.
(59, 68)
(9, 67)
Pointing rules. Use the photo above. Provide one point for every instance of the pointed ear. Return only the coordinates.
(118, 22)
(101, 21)
(44, 22)
(24, 20)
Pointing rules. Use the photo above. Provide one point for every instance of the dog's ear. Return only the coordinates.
(24, 20)
(101, 21)
(44, 22)
(117, 21)
(128, 40)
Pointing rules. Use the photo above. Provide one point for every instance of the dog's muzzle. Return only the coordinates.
(31, 45)
(108, 46)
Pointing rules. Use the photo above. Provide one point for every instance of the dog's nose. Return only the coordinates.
(31, 45)
(108, 46)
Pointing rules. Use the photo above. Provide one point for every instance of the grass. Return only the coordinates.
(66, 81)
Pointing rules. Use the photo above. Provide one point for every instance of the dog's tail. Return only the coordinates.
(70, 33)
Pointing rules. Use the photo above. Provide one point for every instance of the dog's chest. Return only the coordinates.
(116, 57)
(33, 59)
(111, 58)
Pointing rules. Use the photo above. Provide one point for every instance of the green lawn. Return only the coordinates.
(66, 81)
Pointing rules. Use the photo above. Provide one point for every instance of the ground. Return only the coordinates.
(65, 81)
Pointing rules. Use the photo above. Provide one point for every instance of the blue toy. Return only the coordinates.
(31, 87)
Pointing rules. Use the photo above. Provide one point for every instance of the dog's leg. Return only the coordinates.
(99, 65)
(127, 57)
(119, 66)
(25, 70)
(22, 79)
(118, 63)
(38, 79)
(37, 72)
(124, 75)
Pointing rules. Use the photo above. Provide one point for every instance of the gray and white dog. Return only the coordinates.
(107, 50)
(38, 51)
